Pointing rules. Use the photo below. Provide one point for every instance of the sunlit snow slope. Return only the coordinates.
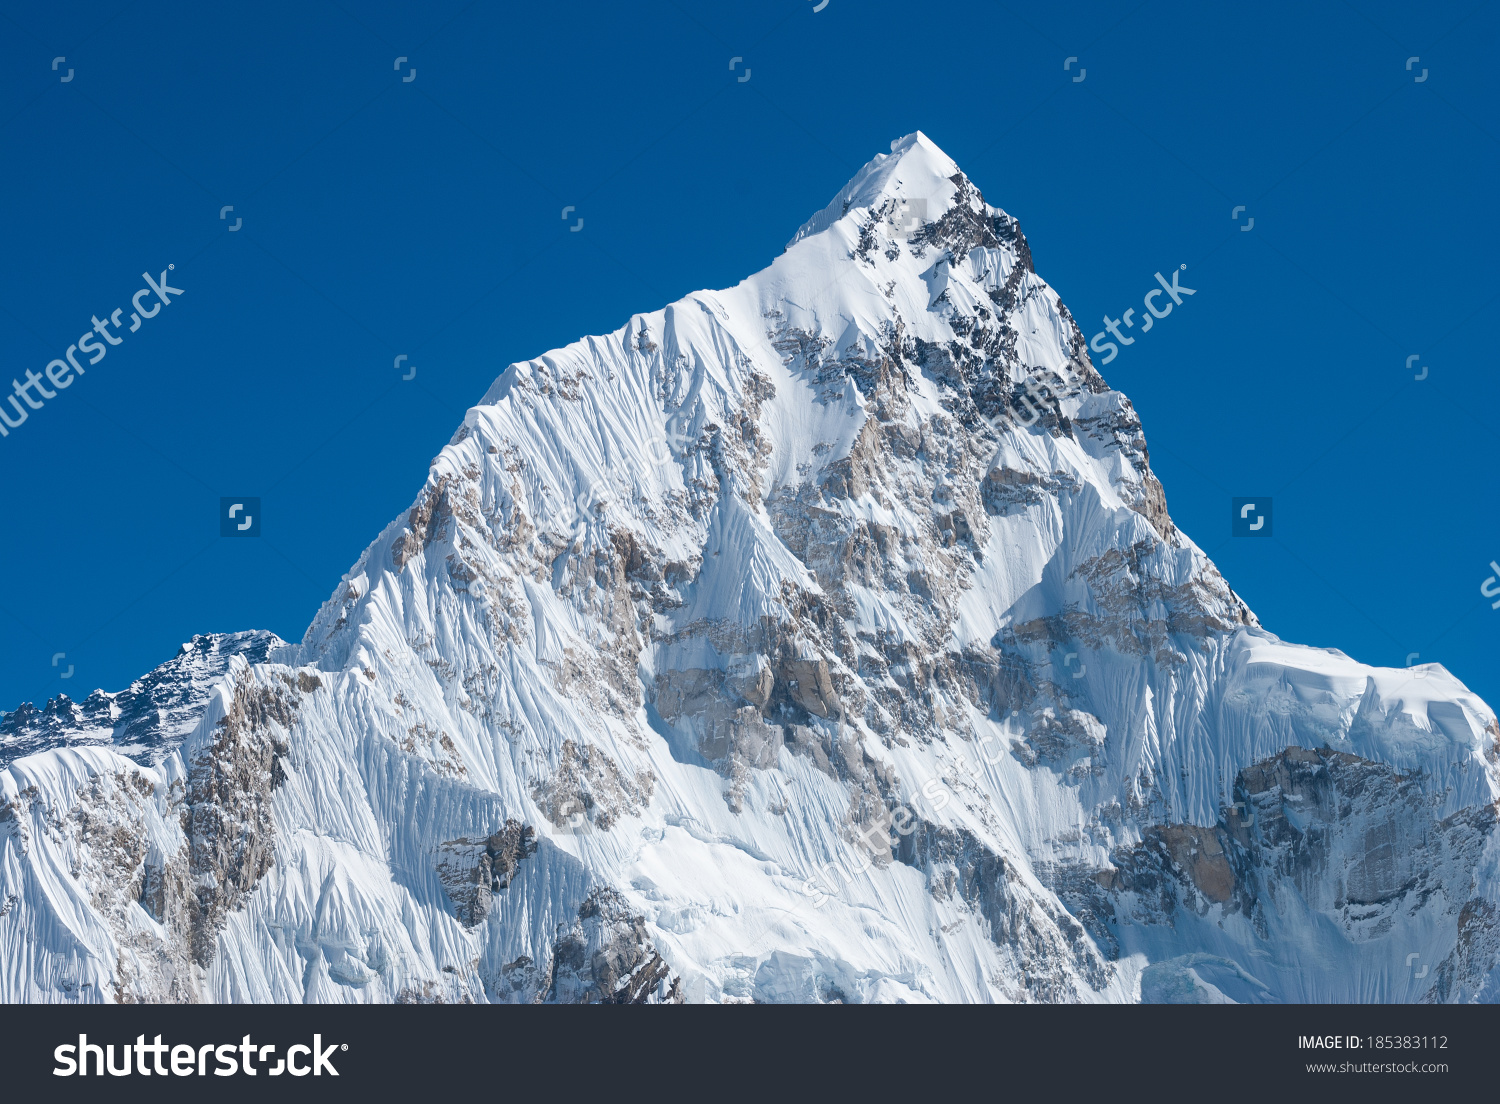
(772, 648)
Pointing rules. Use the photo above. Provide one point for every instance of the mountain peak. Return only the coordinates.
(915, 181)
(825, 637)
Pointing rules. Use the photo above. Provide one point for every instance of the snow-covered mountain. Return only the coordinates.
(823, 638)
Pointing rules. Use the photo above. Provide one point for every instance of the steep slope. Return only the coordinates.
(823, 638)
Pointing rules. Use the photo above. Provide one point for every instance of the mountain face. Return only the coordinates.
(822, 639)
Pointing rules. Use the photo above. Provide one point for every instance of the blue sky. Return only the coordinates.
(383, 216)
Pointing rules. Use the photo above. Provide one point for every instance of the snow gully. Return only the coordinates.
(61, 372)
(1174, 291)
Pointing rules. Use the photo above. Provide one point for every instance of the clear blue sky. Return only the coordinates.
(384, 216)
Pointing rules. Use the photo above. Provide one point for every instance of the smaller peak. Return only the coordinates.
(254, 644)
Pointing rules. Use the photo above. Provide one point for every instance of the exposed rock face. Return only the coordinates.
(1462, 975)
(606, 957)
(1316, 830)
(590, 788)
(1036, 936)
(1066, 740)
(726, 714)
(808, 684)
(167, 855)
(474, 870)
(106, 827)
(824, 638)
(146, 721)
(227, 804)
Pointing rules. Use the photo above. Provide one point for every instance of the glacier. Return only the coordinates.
(825, 638)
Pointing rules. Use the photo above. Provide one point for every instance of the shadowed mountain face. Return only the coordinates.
(823, 638)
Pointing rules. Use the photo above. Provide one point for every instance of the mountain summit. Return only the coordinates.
(825, 638)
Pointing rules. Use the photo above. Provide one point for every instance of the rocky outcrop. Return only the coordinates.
(1070, 741)
(168, 857)
(474, 870)
(1346, 836)
(590, 788)
(607, 957)
(149, 719)
(226, 813)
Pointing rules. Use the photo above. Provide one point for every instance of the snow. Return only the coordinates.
(498, 651)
